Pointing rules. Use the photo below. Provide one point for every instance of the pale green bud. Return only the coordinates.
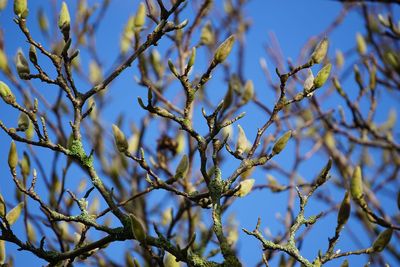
(6, 93)
(172, 68)
(29, 133)
(241, 144)
(224, 49)
(32, 54)
(64, 19)
(25, 165)
(207, 35)
(182, 168)
(22, 65)
(23, 122)
(95, 74)
(248, 92)
(21, 8)
(3, 61)
(320, 51)
(140, 17)
(192, 58)
(2, 207)
(157, 65)
(345, 264)
(13, 215)
(170, 261)
(43, 21)
(382, 240)
(339, 59)
(244, 187)
(356, 184)
(119, 138)
(344, 210)
(361, 44)
(281, 143)
(322, 76)
(12, 156)
(137, 228)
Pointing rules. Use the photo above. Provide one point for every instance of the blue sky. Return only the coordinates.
(293, 22)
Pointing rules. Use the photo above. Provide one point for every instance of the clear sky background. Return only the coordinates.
(292, 21)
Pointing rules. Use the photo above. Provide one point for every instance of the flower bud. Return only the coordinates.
(207, 35)
(23, 122)
(170, 261)
(320, 51)
(137, 228)
(309, 82)
(182, 168)
(339, 59)
(192, 58)
(30, 131)
(281, 143)
(382, 240)
(344, 210)
(6, 93)
(241, 144)
(361, 44)
(12, 156)
(322, 76)
(173, 68)
(2, 207)
(140, 17)
(25, 165)
(157, 65)
(224, 49)
(3, 61)
(323, 175)
(21, 8)
(119, 138)
(13, 215)
(244, 187)
(22, 65)
(32, 54)
(356, 187)
(95, 74)
(64, 19)
(43, 21)
(345, 263)
(3, 4)
(248, 92)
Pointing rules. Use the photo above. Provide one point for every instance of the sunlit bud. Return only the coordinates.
(241, 144)
(157, 65)
(320, 51)
(244, 187)
(13, 215)
(95, 74)
(6, 93)
(32, 54)
(356, 187)
(382, 240)
(140, 15)
(192, 58)
(166, 216)
(361, 44)
(357, 74)
(30, 131)
(22, 65)
(25, 165)
(344, 210)
(281, 143)
(3, 4)
(207, 35)
(31, 232)
(3, 61)
(170, 261)
(172, 68)
(309, 82)
(43, 22)
(224, 49)
(322, 76)
(181, 141)
(2, 207)
(248, 92)
(392, 59)
(13, 156)
(228, 99)
(339, 59)
(21, 8)
(182, 168)
(64, 19)
(119, 138)
(3, 254)
(137, 228)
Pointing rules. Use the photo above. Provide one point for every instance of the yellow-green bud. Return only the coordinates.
(137, 228)
(25, 165)
(361, 44)
(23, 122)
(345, 264)
(95, 74)
(322, 76)
(6, 93)
(182, 168)
(207, 35)
(224, 49)
(119, 138)
(3, 61)
(13, 215)
(64, 19)
(42, 20)
(323, 175)
(2, 207)
(155, 60)
(356, 187)
(344, 210)
(30, 131)
(339, 59)
(3, 4)
(192, 58)
(241, 144)
(22, 65)
(320, 51)
(172, 68)
(248, 92)
(281, 143)
(244, 187)
(12, 156)
(30, 230)
(140, 16)
(32, 54)
(170, 261)
(21, 8)
(382, 240)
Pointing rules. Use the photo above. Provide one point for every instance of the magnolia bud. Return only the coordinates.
(13, 156)
(281, 143)
(320, 51)
(157, 65)
(64, 19)
(344, 210)
(25, 165)
(244, 187)
(23, 122)
(345, 264)
(21, 8)
(119, 138)
(95, 74)
(137, 228)
(309, 82)
(3, 61)
(322, 76)
(207, 35)
(192, 58)
(30, 131)
(2, 207)
(224, 49)
(182, 168)
(242, 142)
(173, 68)
(356, 187)
(6, 93)
(382, 240)
(324, 173)
(339, 59)
(361, 45)
(32, 54)
(22, 65)
(248, 92)
(3, 4)
(43, 22)
(13, 215)
(140, 16)
(170, 261)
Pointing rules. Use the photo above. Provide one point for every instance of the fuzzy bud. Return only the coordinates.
(13, 215)
(281, 143)
(361, 44)
(224, 49)
(137, 228)
(23, 122)
(382, 240)
(64, 19)
(43, 21)
(241, 144)
(21, 8)
(6, 93)
(182, 168)
(344, 210)
(244, 187)
(140, 17)
(22, 65)
(356, 184)
(25, 165)
(120, 140)
(192, 58)
(173, 68)
(309, 82)
(12, 156)
(323, 176)
(32, 54)
(322, 76)
(3, 61)
(207, 35)
(248, 92)
(320, 51)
